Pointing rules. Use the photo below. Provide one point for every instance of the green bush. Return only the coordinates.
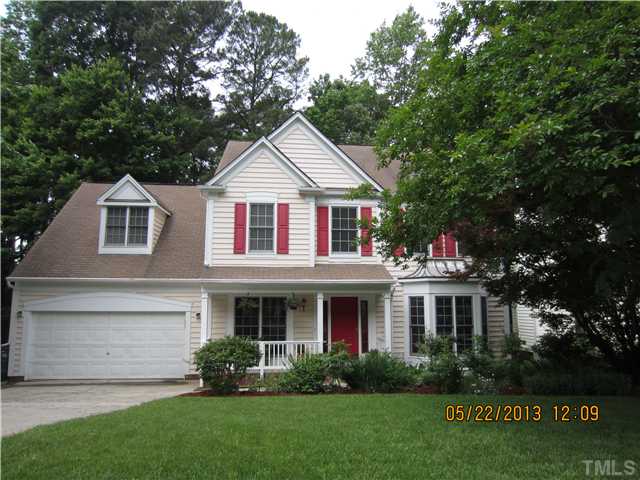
(306, 374)
(580, 382)
(379, 372)
(443, 367)
(223, 363)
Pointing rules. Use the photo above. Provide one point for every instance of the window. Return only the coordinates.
(344, 229)
(261, 225)
(364, 325)
(126, 226)
(458, 320)
(416, 322)
(261, 318)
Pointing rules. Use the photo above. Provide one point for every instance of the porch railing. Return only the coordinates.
(276, 355)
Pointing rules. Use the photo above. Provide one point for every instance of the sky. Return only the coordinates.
(334, 33)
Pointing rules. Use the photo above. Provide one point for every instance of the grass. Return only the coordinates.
(338, 436)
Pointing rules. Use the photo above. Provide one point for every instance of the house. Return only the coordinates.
(130, 279)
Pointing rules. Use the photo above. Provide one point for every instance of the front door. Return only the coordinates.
(344, 322)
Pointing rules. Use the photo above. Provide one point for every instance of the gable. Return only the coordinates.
(262, 148)
(264, 172)
(317, 162)
(127, 193)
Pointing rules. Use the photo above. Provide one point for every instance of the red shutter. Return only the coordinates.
(366, 249)
(240, 228)
(283, 228)
(449, 245)
(322, 222)
(437, 246)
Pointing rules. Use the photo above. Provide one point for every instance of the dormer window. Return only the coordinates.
(131, 219)
(127, 226)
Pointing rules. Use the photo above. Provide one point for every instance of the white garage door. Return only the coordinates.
(93, 345)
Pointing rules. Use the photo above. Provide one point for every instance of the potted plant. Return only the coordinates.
(294, 302)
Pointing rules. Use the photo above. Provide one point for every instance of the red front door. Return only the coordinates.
(344, 322)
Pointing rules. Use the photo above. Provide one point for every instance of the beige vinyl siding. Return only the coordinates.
(320, 164)
(32, 292)
(495, 324)
(262, 175)
(219, 309)
(159, 218)
(528, 325)
(304, 322)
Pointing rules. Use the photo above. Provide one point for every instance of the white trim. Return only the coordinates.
(208, 231)
(262, 197)
(351, 166)
(234, 167)
(204, 317)
(320, 319)
(106, 301)
(387, 321)
(13, 325)
(104, 198)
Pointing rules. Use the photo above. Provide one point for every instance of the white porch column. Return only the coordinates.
(204, 317)
(319, 319)
(387, 321)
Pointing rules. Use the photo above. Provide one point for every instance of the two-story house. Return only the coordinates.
(130, 279)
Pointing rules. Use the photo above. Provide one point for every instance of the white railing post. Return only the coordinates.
(262, 359)
(387, 321)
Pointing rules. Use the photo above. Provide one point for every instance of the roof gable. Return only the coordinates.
(243, 160)
(128, 191)
(300, 122)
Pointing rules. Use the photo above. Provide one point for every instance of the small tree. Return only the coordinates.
(222, 363)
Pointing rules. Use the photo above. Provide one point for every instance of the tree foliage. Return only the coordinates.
(262, 75)
(346, 111)
(393, 56)
(524, 139)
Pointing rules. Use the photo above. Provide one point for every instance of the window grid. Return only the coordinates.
(116, 227)
(138, 226)
(444, 316)
(344, 229)
(261, 226)
(416, 322)
(247, 317)
(274, 319)
(464, 323)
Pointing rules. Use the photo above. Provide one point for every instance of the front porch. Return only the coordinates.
(289, 321)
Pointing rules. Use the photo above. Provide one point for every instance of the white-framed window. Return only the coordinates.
(261, 318)
(344, 229)
(454, 318)
(261, 227)
(416, 323)
(126, 227)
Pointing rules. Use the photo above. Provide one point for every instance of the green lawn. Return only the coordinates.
(338, 436)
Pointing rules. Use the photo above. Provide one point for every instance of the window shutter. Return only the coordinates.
(283, 228)
(437, 246)
(322, 222)
(366, 249)
(240, 228)
(449, 245)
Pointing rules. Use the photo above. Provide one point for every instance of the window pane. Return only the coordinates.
(138, 225)
(247, 312)
(261, 227)
(344, 231)
(444, 316)
(116, 226)
(464, 323)
(416, 322)
(274, 319)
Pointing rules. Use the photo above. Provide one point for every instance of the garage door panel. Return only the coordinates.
(80, 345)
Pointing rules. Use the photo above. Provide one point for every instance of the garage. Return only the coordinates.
(106, 336)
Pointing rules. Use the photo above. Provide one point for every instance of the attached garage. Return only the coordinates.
(106, 336)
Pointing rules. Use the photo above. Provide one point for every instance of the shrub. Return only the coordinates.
(306, 374)
(223, 363)
(443, 367)
(566, 351)
(580, 382)
(379, 372)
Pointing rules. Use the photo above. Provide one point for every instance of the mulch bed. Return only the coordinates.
(424, 390)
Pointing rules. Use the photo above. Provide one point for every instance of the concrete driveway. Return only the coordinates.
(25, 405)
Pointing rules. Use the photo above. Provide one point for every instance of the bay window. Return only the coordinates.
(416, 323)
(454, 318)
